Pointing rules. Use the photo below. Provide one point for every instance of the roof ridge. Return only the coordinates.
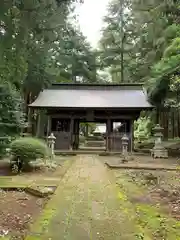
(97, 84)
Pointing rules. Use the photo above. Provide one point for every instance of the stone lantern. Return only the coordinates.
(125, 143)
(158, 150)
(51, 143)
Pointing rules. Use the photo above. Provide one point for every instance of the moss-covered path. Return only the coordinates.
(86, 206)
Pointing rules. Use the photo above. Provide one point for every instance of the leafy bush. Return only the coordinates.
(24, 150)
(143, 128)
(28, 148)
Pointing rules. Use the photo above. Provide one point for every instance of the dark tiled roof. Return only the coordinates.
(93, 96)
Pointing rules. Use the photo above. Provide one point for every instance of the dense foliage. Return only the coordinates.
(141, 43)
(10, 116)
(38, 45)
(147, 34)
(41, 44)
(116, 44)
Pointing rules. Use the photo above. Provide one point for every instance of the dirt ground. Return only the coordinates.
(148, 159)
(143, 159)
(161, 187)
(17, 211)
(90, 201)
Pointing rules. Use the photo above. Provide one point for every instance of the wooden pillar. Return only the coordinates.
(49, 125)
(76, 134)
(71, 132)
(132, 135)
(108, 134)
(29, 116)
(38, 130)
(40, 124)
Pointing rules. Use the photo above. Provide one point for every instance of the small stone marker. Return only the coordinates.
(51, 143)
(158, 151)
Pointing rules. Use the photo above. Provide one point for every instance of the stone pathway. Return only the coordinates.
(88, 206)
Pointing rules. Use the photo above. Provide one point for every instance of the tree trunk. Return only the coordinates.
(87, 130)
(178, 125)
(122, 39)
(157, 116)
(28, 112)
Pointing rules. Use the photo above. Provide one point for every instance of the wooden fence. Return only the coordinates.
(169, 119)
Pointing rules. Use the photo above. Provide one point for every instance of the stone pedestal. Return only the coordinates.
(158, 151)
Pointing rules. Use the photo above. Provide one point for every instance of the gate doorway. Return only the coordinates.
(92, 135)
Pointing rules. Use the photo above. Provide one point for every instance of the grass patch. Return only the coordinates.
(41, 226)
(128, 209)
(10, 183)
(161, 226)
(18, 183)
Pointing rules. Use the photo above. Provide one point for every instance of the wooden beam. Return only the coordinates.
(105, 117)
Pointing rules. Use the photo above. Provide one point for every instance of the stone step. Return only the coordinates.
(94, 143)
(94, 138)
(85, 148)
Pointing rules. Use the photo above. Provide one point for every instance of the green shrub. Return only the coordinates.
(27, 149)
(143, 128)
(4, 143)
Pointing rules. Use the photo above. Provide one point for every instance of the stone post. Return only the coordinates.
(158, 150)
(125, 142)
(51, 143)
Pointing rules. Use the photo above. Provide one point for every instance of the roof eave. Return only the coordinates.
(60, 107)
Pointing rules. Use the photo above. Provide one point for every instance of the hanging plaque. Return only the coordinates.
(90, 116)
